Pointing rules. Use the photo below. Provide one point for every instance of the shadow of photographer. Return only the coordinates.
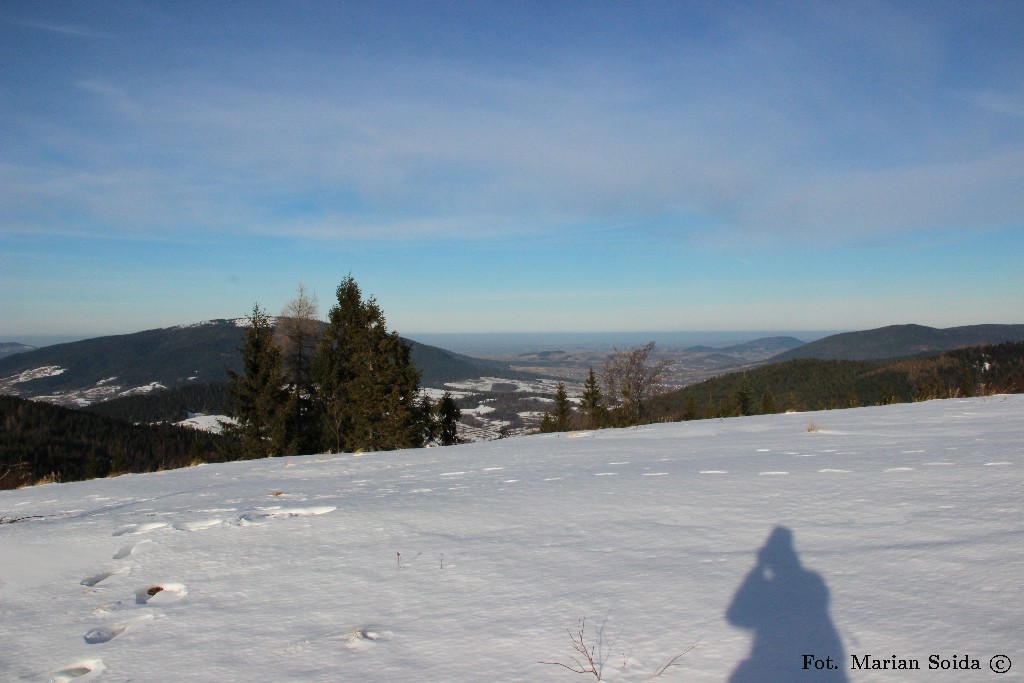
(786, 606)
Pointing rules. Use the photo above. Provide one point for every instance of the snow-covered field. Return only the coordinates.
(895, 532)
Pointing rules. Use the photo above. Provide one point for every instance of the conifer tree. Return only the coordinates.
(428, 421)
(366, 381)
(691, 409)
(448, 415)
(743, 398)
(258, 393)
(595, 413)
(560, 416)
(333, 365)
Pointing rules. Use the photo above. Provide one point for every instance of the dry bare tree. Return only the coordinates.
(297, 334)
(632, 377)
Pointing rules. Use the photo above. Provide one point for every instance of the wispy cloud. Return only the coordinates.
(820, 125)
(71, 30)
(998, 102)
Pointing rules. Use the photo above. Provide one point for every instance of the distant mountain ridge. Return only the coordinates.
(901, 341)
(762, 344)
(11, 348)
(94, 370)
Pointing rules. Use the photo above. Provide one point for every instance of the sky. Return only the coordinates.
(512, 166)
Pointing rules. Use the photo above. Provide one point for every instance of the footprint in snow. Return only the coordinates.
(105, 634)
(131, 549)
(160, 594)
(96, 579)
(84, 670)
(145, 527)
(198, 525)
(366, 637)
(261, 515)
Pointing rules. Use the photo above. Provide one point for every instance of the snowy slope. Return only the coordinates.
(469, 563)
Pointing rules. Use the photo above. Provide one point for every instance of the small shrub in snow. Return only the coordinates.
(583, 662)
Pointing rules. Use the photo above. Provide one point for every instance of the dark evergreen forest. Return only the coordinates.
(827, 384)
(40, 441)
(169, 405)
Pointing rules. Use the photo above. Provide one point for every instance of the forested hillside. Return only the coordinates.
(91, 371)
(171, 405)
(43, 441)
(902, 341)
(810, 384)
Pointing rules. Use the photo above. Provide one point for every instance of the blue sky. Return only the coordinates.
(513, 166)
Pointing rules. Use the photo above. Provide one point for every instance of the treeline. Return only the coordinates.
(345, 386)
(802, 385)
(167, 405)
(43, 442)
(631, 394)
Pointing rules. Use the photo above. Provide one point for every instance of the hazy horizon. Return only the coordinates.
(526, 342)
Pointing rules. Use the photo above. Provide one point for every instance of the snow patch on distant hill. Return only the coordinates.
(104, 389)
(35, 373)
(145, 389)
(237, 322)
(541, 386)
(206, 423)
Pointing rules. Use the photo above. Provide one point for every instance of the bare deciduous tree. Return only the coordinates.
(297, 333)
(632, 377)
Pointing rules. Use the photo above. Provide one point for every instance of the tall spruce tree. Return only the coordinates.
(366, 382)
(448, 415)
(559, 418)
(428, 422)
(743, 396)
(594, 411)
(258, 394)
